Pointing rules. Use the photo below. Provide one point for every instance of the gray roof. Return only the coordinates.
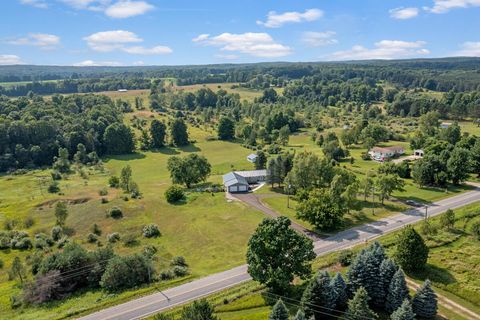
(252, 173)
(233, 178)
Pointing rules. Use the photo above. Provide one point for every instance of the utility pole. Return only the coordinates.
(426, 211)
(288, 196)
(373, 201)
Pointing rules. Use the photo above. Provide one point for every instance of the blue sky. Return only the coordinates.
(157, 32)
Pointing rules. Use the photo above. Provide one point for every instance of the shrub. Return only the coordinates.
(56, 175)
(103, 192)
(130, 240)
(53, 187)
(476, 230)
(113, 237)
(1, 264)
(114, 182)
(42, 241)
(167, 275)
(9, 224)
(174, 194)
(96, 229)
(28, 222)
(345, 258)
(179, 261)
(447, 220)
(57, 233)
(179, 271)
(126, 272)
(92, 238)
(149, 251)
(115, 213)
(151, 231)
(63, 242)
(104, 200)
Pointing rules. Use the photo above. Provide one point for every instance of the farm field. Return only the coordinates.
(245, 93)
(208, 231)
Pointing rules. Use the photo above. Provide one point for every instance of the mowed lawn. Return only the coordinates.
(210, 232)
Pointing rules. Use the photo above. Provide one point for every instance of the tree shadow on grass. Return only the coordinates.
(126, 157)
(190, 148)
(435, 274)
(166, 151)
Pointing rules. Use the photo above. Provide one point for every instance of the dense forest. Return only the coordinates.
(459, 74)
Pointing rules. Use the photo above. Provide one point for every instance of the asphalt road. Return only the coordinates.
(154, 303)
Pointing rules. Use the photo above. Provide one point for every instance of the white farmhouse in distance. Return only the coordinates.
(122, 90)
(252, 158)
(384, 154)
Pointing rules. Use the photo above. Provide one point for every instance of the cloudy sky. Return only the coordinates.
(158, 32)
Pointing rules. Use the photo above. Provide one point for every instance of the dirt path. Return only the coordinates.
(449, 304)
(254, 201)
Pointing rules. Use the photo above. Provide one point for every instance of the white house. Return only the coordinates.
(122, 90)
(240, 181)
(384, 154)
(252, 158)
(445, 125)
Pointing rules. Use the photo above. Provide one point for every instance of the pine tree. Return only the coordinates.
(358, 308)
(388, 268)
(412, 252)
(425, 301)
(300, 315)
(279, 311)
(404, 312)
(398, 291)
(319, 293)
(364, 272)
(340, 287)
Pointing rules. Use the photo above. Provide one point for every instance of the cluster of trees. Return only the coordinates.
(33, 130)
(74, 86)
(449, 155)
(276, 254)
(156, 136)
(189, 170)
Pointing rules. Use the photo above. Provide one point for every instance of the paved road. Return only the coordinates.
(154, 303)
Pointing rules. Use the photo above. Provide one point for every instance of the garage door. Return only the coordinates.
(242, 188)
(233, 189)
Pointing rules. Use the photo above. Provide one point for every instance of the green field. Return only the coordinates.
(209, 231)
(245, 93)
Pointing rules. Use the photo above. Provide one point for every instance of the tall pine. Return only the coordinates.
(279, 311)
(300, 315)
(425, 301)
(358, 308)
(340, 287)
(388, 268)
(398, 291)
(404, 312)
(318, 294)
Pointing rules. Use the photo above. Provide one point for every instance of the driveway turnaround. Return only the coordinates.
(157, 302)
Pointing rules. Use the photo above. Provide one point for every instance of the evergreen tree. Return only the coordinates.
(199, 310)
(398, 291)
(358, 308)
(424, 301)
(319, 293)
(157, 132)
(404, 312)
(412, 252)
(340, 287)
(364, 272)
(178, 132)
(261, 160)
(279, 311)
(388, 268)
(300, 315)
(226, 129)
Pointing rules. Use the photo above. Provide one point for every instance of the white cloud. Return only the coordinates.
(7, 59)
(319, 39)
(469, 49)
(251, 43)
(42, 40)
(443, 6)
(116, 40)
(42, 4)
(126, 9)
(139, 63)
(276, 20)
(201, 37)
(106, 41)
(385, 49)
(404, 13)
(147, 51)
(91, 63)
(119, 10)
